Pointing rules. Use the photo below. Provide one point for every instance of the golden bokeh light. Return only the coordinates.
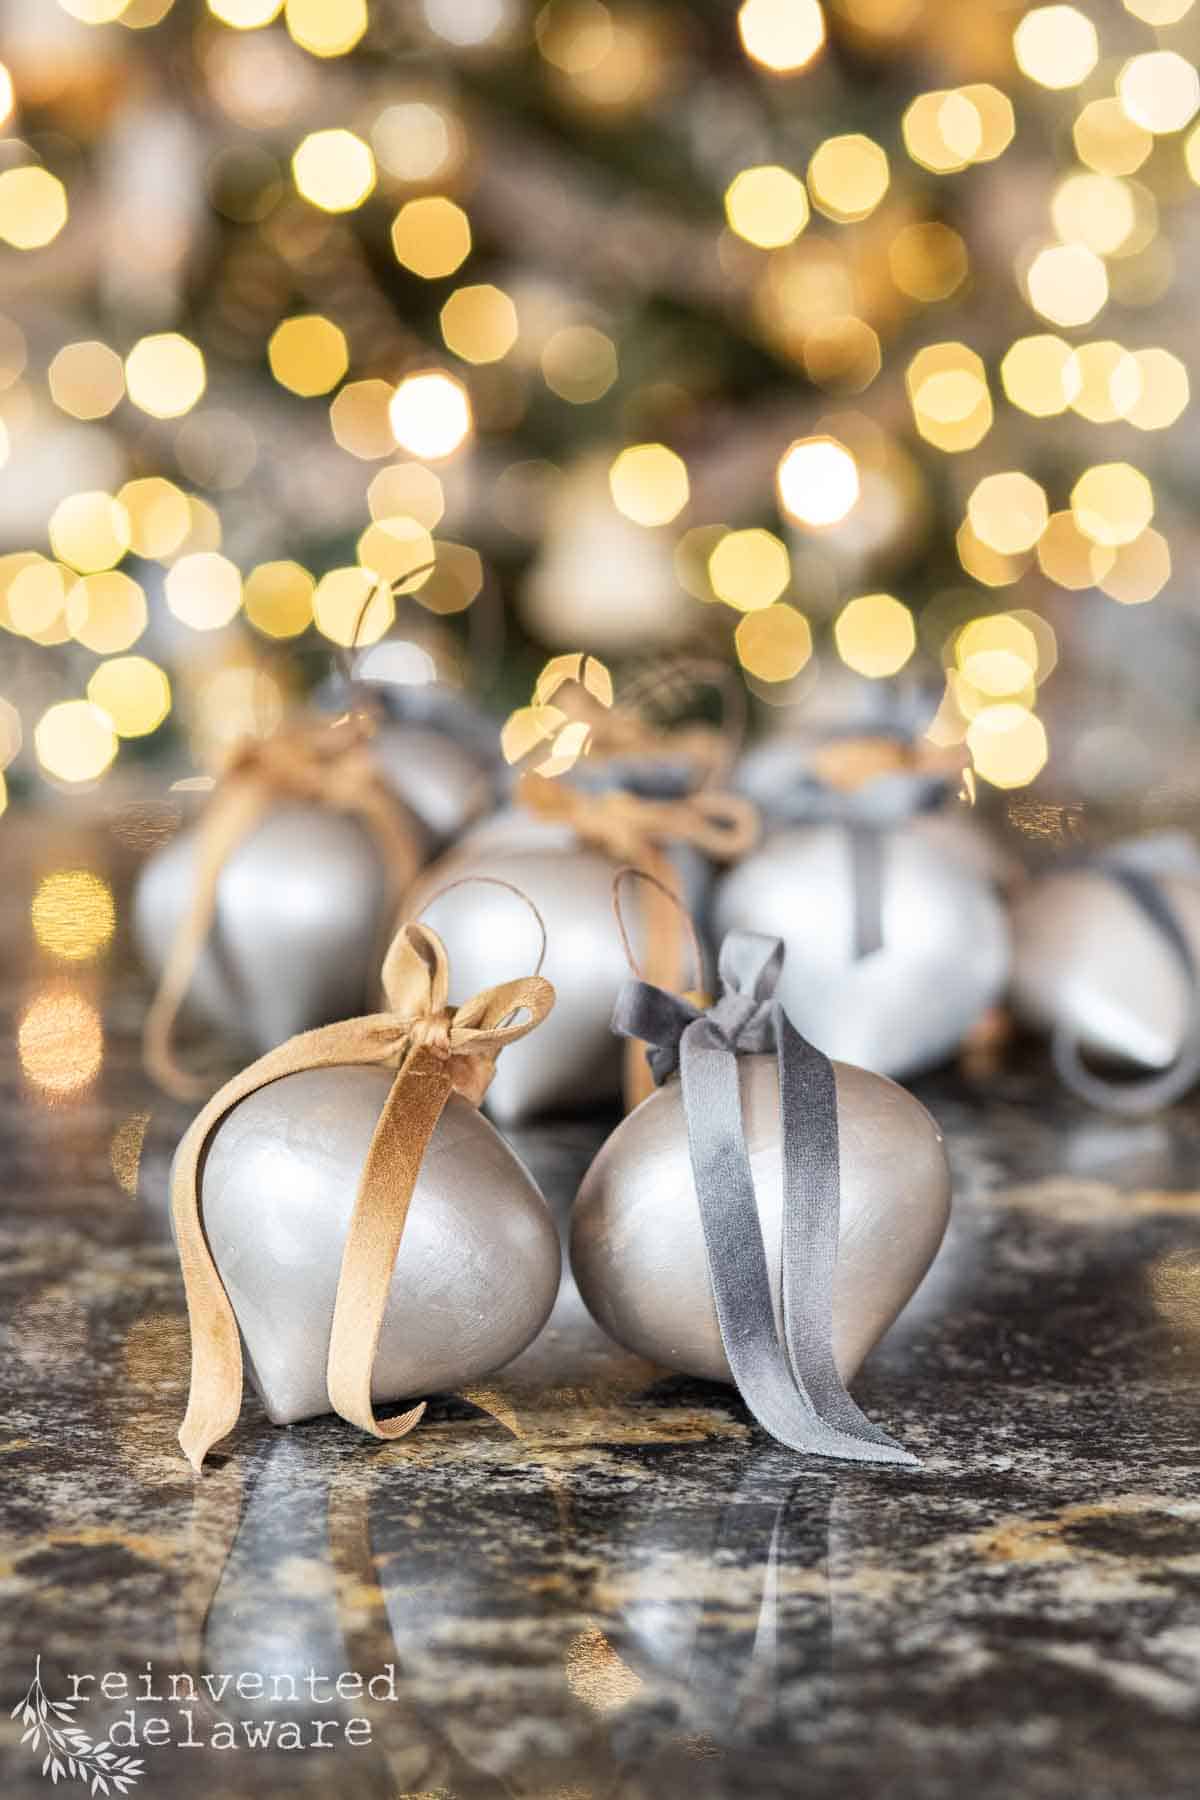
(990, 567)
(415, 140)
(94, 12)
(33, 207)
(997, 122)
(479, 323)
(36, 600)
(12, 735)
(579, 363)
(575, 35)
(842, 353)
(431, 236)
(875, 635)
(1067, 284)
(326, 27)
(817, 482)
(1008, 512)
(1040, 375)
(749, 569)
(399, 550)
(1138, 571)
(245, 15)
(997, 655)
(73, 914)
(948, 390)
(1056, 46)
(1164, 391)
(308, 354)
(204, 590)
(1160, 91)
(90, 531)
(942, 131)
(134, 692)
(334, 170)
(361, 420)
(74, 741)
(781, 35)
(848, 177)
(160, 517)
(649, 484)
(407, 488)
(87, 380)
(1096, 210)
(430, 415)
(1008, 745)
(353, 607)
(775, 643)
(278, 599)
(1107, 139)
(1112, 503)
(1069, 558)
(1158, 12)
(106, 612)
(767, 206)
(8, 98)
(928, 261)
(60, 1041)
(1109, 382)
(165, 375)
(456, 581)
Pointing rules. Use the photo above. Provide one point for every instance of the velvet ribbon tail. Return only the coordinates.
(1139, 1096)
(787, 1387)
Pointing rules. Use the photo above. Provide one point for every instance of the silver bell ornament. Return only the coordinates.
(1105, 959)
(765, 1214)
(267, 917)
(343, 1210)
(562, 845)
(897, 940)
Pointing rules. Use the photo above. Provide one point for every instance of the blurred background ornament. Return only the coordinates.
(897, 942)
(1105, 959)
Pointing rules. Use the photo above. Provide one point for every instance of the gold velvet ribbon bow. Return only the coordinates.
(326, 764)
(633, 829)
(436, 1050)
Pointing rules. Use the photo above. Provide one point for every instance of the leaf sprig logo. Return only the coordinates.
(70, 1753)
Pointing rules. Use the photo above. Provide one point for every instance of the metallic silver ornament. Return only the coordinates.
(296, 940)
(637, 1246)
(441, 781)
(572, 1061)
(904, 1007)
(478, 1267)
(1087, 958)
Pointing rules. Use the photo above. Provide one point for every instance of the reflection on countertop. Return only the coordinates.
(585, 1578)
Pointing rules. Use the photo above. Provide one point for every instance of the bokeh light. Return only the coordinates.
(649, 484)
(87, 380)
(948, 390)
(326, 27)
(848, 177)
(1112, 503)
(106, 612)
(407, 488)
(160, 517)
(352, 606)
(431, 236)
(1067, 284)
(1008, 745)
(33, 207)
(74, 741)
(245, 15)
(817, 481)
(165, 375)
(60, 1041)
(334, 170)
(430, 414)
(774, 643)
(308, 354)
(360, 418)
(204, 590)
(1040, 375)
(1008, 512)
(1056, 46)
(767, 206)
(875, 635)
(73, 914)
(781, 35)
(1159, 90)
(278, 598)
(134, 692)
(749, 569)
(479, 323)
(579, 363)
(1138, 571)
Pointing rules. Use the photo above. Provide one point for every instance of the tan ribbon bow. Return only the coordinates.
(436, 1050)
(328, 763)
(633, 829)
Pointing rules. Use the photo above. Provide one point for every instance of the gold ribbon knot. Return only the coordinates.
(436, 1050)
(323, 763)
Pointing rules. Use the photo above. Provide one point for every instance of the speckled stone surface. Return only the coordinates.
(591, 1580)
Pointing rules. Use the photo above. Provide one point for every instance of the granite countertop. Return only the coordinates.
(588, 1579)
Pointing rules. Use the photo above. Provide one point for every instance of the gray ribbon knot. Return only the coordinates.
(787, 1378)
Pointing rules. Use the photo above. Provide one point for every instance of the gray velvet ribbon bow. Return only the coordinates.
(865, 814)
(788, 1379)
(1138, 868)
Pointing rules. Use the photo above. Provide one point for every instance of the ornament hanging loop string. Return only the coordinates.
(496, 881)
(435, 1050)
(631, 872)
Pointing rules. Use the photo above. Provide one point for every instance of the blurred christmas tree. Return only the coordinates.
(829, 339)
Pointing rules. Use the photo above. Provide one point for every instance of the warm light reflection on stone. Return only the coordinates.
(73, 914)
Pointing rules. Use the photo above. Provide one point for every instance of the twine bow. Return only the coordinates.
(633, 829)
(866, 785)
(326, 764)
(436, 1050)
(1138, 868)
(789, 1381)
